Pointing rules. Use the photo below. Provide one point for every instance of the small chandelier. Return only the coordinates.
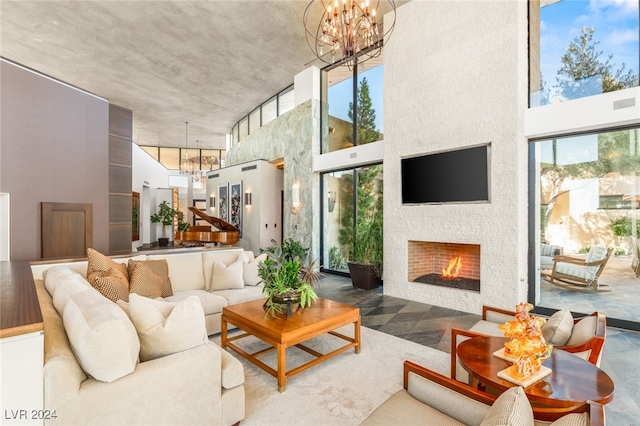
(348, 32)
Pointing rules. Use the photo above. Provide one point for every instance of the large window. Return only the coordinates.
(338, 97)
(583, 48)
(587, 190)
(352, 206)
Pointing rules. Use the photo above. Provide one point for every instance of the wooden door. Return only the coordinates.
(67, 229)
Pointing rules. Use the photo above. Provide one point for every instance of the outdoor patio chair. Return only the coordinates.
(579, 274)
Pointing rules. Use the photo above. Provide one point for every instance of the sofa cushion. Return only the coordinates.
(575, 419)
(583, 331)
(185, 270)
(511, 408)
(225, 277)
(211, 303)
(549, 250)
(98, 262)
(166, 328)
(158, 267)
(61, 282)
(225, 256)
(247, 294)
(112, 284)
(557, 329)
(250, 269)
(402, 409)
(487, 327)
(101, 336)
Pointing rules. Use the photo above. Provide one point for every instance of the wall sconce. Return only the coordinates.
(212, 202)
(247, 198)
(295, 195)
(331, 200)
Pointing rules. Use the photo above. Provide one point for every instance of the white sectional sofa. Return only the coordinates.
(96, 368)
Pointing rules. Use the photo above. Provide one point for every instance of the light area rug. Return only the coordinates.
(343, 390)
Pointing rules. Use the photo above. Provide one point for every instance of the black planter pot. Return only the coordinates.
(163, 242)
(364, 276)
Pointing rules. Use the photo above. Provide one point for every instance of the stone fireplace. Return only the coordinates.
(452, 265)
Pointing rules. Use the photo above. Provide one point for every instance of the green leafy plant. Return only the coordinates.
(164, 215)
(336, 258)
(623, 227)
(182, 226)
(619, 251)
(288, 274)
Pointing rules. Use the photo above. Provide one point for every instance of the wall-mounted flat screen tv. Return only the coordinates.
(460, 176)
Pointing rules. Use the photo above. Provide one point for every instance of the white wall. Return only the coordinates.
(607, 110)
(261, 222)
(456, 76)
(147, 176)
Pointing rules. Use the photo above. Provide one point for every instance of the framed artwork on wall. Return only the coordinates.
(235, 212)
(223, 202)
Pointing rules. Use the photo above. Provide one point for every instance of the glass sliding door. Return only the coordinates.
(586, 192)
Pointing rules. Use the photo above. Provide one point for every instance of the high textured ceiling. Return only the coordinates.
(205, 62)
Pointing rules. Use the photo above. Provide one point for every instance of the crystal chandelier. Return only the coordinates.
(348, 32)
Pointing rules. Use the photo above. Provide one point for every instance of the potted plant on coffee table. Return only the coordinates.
(288, 277)
(164, 215)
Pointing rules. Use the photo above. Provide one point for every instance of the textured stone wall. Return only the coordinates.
(456, 76)
(293, 138)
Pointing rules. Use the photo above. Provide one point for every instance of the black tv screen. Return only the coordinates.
(447, 177)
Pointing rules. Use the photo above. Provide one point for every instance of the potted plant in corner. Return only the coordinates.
(288, 277)
(164, 215)
(365, 261)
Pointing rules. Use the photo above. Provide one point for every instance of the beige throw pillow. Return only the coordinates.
(101, 335)
(510, 408)
(226, 277)
(557, 330)
(250, 270)
(166, 328)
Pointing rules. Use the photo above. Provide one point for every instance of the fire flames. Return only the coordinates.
(454, 268)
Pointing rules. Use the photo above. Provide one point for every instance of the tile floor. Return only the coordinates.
(430, 326)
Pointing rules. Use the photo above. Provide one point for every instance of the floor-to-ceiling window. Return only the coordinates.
(345, 102)
(353, 202)
(583, 48)
(585, 183)
(587, 192)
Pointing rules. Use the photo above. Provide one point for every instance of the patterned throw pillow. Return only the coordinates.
(98, 262)
(145, 282)
(112, 284)
(158, 267)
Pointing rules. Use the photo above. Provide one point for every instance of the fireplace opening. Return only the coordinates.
(451, 265)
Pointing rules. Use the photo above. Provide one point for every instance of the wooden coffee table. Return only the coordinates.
(324, 316)
(572, 381)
